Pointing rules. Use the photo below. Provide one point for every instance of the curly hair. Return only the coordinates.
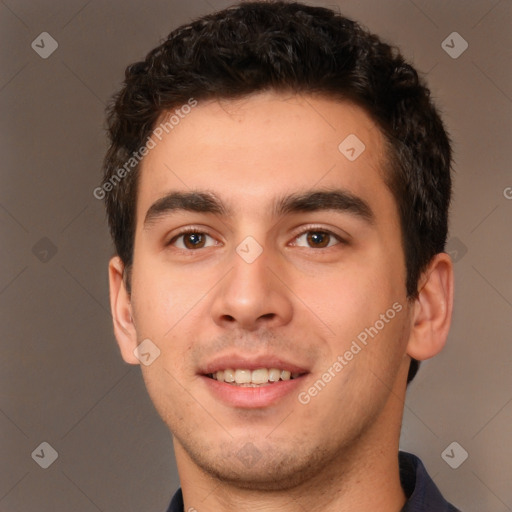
(289, 47)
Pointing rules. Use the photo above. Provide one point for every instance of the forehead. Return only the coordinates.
(252, 150)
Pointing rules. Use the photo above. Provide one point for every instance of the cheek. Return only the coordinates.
(352, 298)
(166, 393)
(365, 311)
(163, 298)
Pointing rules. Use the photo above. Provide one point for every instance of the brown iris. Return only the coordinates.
(194, 240)
(318, 239)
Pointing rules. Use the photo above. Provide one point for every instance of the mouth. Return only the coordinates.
(252, 382)
(254, 378)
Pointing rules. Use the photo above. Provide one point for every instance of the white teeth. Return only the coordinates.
(243, 376)
(274, 375)
(261, 376)
(229, 375)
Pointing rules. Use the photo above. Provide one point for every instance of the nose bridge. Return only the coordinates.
(251, 295)
(250, 276)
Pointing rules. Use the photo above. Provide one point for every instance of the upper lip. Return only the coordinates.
(235, 361)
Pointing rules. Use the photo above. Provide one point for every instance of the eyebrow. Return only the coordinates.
(311, 201)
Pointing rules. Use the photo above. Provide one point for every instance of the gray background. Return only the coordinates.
(62, 379)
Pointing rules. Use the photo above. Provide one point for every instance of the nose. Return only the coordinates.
(252, 296)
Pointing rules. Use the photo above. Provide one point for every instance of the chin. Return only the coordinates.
(267, 468)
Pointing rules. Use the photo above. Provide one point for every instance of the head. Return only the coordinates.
(278, 71)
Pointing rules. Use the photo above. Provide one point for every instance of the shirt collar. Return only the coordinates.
(422, 493)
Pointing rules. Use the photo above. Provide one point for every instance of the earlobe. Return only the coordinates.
(120, 304)
(432, 309)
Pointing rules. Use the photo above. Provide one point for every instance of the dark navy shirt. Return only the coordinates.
(422, 494)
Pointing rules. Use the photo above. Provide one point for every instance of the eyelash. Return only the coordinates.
(310, 229)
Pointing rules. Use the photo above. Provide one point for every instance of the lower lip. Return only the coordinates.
(253, 398)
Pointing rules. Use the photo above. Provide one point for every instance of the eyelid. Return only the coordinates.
(342, 238)
(189, 229)
(302, 230)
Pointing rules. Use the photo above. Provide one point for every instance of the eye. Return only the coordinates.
(190, 240)
(317, 239)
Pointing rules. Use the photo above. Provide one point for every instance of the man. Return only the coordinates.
(277, 188)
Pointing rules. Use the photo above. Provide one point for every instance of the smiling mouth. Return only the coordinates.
(253, 378)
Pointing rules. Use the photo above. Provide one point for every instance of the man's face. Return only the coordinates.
(270, 279)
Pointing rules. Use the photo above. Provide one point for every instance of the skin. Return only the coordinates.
(298, 300)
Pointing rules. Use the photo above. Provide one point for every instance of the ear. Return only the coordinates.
(432, 309)
(120, 304)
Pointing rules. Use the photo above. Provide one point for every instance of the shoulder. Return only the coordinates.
(421, 491)
(176, 504)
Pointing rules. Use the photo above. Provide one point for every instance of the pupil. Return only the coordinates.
(318, 238)
(194, 240)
